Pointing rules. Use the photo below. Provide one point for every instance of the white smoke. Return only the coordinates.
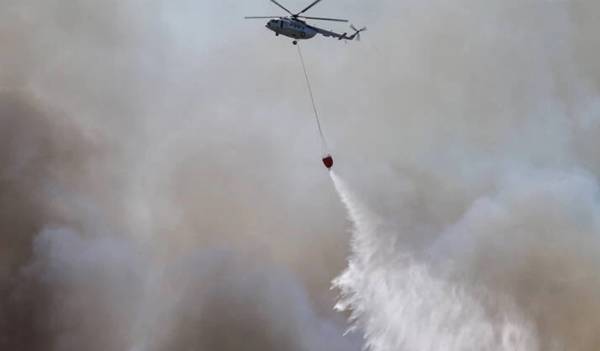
(108, 293)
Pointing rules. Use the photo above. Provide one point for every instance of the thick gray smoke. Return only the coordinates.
(134, 214)
(160, 187)
(73, 277)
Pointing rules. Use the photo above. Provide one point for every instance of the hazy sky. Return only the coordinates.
(161, 185)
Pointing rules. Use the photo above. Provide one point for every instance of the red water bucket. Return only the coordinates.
(328, 161)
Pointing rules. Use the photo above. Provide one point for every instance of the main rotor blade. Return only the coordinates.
(309, 7)
(286, 10)
(261, 17)
(324, 19)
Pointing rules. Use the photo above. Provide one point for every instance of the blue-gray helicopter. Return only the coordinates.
(294, 27)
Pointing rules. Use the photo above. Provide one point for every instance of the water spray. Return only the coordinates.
(399, 303)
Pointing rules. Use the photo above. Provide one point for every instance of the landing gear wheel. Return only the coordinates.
(295, 42)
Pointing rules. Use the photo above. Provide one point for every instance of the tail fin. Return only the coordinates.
(356, 32)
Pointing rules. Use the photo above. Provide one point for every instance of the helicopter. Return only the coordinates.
(294, 27)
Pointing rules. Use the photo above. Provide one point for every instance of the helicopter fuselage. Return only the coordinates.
(291, 28)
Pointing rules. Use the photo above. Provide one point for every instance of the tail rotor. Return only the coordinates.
(357, 31)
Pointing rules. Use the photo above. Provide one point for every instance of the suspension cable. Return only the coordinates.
(312, 99)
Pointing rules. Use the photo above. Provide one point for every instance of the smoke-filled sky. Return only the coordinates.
(161, 185)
